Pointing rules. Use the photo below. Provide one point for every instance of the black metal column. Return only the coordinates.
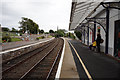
(94, 30)
(88, 35)
(84, 34)
(107, 30)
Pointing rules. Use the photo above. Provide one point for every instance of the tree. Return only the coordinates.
(5, 29)
(28, 25)
(51, 31)
(41, 31)
(78, 34)
(60, 33)
(14, 30)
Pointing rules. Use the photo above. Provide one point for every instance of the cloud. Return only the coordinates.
(47, 13)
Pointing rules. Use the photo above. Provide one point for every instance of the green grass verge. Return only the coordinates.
(49, 36)
(0, 40)
(15, 39)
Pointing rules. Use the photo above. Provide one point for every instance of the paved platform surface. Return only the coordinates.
(11, 45)
(68, 69)
(98, 65)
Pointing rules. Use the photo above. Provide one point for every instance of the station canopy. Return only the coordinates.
(82, 9)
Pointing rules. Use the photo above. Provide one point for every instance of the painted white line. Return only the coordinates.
(84, 67)
(60, 63)
(24, 46)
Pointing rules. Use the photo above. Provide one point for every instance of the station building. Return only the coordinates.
(91, 17)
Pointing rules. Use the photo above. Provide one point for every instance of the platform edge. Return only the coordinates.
(60, 63)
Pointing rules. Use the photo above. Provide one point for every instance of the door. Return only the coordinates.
(117, 39)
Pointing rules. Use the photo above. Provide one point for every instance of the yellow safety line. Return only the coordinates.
(88, 74)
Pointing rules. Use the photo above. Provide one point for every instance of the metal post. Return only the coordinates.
(84, 34)
(94, 30)
(107, 30)
(88, 35)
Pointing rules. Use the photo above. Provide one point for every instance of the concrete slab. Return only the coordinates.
(68, 66)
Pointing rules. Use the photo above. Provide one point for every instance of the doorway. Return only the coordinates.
(117, 39)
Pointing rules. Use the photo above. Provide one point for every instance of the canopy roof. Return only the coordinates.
(80, 10)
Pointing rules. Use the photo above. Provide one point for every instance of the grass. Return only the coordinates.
(15, 39)
(12, 40)
(49, 36)
(0, 40)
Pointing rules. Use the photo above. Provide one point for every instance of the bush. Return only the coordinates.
(78, 34)
(6, 39)
(70, 35)
(37, 38)
(20, 34)
(42, 37)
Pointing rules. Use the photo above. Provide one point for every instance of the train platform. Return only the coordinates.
(67, 68)
(81, 63)
(13, 45)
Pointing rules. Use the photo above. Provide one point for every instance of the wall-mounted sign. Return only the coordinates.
(98, 28)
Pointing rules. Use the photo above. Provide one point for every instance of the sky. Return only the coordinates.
(48, 14)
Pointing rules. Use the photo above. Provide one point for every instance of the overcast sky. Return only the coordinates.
(48, 14)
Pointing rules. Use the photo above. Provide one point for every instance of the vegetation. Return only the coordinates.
(14, 30)
(15, 39)
(49, 36)
(9, 39)
(0, 40)
(0, 37)
(59, 33)
(70, 35)
(8, 34)
(5, 29)
(78, 34)
(41, 31)
(28, 25)
(51, 31)
(42, 37)
(6, 39)
(46, 32)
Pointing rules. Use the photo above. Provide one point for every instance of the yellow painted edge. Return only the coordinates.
(88, 74)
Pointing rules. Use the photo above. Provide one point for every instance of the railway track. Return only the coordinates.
(28, 67)
(6, 65)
